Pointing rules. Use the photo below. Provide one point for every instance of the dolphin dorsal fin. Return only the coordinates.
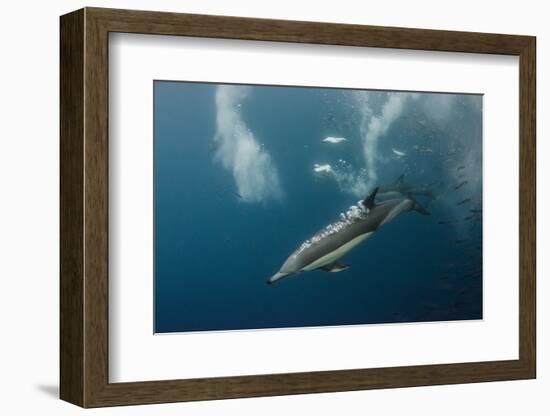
(368, 202)
(400, 179)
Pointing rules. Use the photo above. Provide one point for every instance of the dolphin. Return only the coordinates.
(399, 188)
(324, 249)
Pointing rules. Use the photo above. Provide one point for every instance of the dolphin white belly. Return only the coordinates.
(336, 254)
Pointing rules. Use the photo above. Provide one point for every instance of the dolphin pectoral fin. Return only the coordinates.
(276, 276)
(335, 267)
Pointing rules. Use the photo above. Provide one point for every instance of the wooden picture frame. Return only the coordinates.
(84, 207)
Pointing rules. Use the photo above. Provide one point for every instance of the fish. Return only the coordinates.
(421, 122)
(398, 153)
(324, 250)
(464, 201)
(334, 140)
(443, 222)
(425, 150)
(326, 168)
(459, 168)
(460, 185)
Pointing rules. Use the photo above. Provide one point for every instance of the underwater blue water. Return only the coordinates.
(236, 192)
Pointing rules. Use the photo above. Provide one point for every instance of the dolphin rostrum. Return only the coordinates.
(324, 249)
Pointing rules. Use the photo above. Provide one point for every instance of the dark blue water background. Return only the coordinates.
(214, 251)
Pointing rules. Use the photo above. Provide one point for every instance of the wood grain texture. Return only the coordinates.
(96, 209)
(72, 216)
(528, 207)
(162, 23)
(84, 207)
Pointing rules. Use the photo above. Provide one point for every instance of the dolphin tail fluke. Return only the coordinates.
(277, 276)
(417, 207)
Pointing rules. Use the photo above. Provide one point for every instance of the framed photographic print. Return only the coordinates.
(261, 207)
